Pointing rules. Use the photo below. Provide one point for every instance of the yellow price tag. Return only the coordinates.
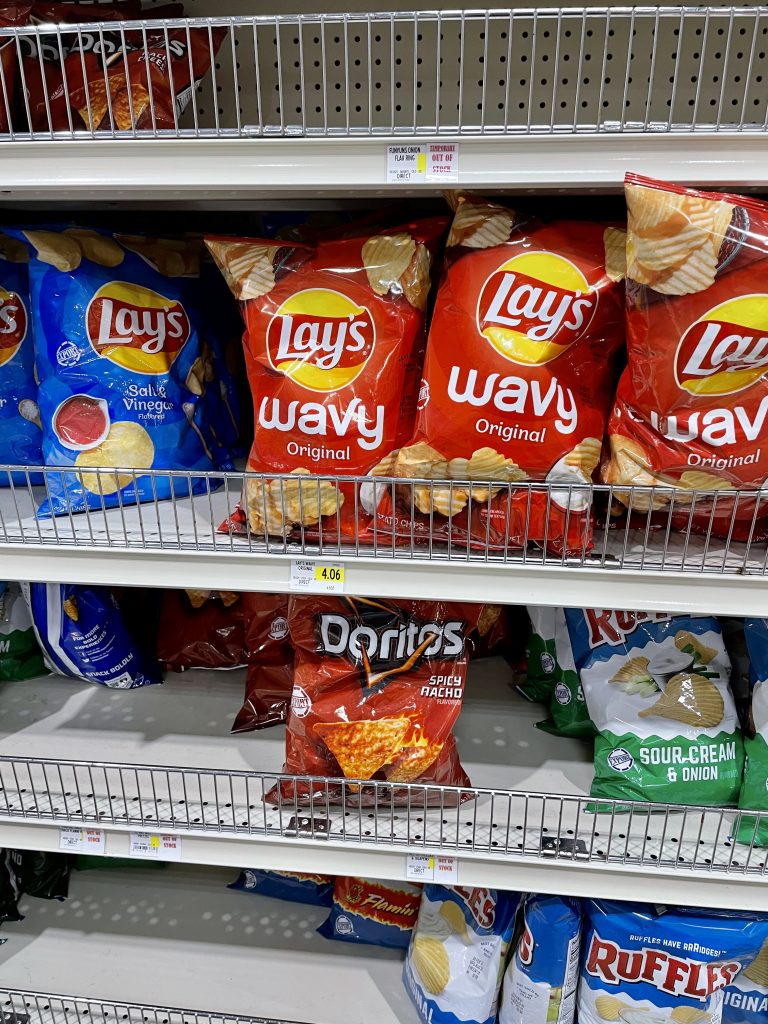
(154, 842)
(421, 163)
(329, 573)
(431, 863)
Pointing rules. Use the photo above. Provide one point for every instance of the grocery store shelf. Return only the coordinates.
(525, 822)
(179, 937)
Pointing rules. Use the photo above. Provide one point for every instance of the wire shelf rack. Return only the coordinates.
(471, 72)
(20, 1007)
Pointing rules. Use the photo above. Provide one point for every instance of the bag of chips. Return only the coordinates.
(83, 635)
(657, 690)
(20, 655)
(754, 786)
(552, 675)
(542, 669)
(20, 434)
(41, 874)
(668, 965)
(377, 689)
(543, 971)
(371, 912)
(269, 680)
(517, 384)
(314, 890)
(334, 341)
(10, 893)
(119, 357)
(202, 629)
(11, 15)
(457, 954)
(691, 405)
(746, 998)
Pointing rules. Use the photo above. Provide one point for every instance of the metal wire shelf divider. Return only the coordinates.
(21, 1007)
(525, 72)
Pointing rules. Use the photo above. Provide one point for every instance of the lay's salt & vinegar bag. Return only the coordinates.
(754, 786)
(543, 971)
(119, 357)
(657, 690)
(20, 433)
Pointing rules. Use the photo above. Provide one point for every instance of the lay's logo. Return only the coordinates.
(534, 307)
(137, 328)
(13, 325)
(321, 339)
(726, 350)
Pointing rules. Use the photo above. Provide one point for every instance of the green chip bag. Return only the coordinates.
(552, 674)
(754, 786)
(20, 656)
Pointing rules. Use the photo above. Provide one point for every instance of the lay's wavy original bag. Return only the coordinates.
(457, 954)
(20, 434)
(543, 972)
(754, 786)
(119, 357)
(646, 964)
(657, 690)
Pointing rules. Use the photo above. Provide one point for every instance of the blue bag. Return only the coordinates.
(314, 890)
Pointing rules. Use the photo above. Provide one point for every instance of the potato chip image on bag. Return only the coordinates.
(690, 407)
(516, 386)
(377, 689)
(116, 336)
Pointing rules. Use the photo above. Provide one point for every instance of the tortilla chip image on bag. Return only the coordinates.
(456, 959)
(657, 691)
(645, 963)
(378, 687)
(754, 786)
(116, 343)
(334, 340)
(690, 409)
(516, 387)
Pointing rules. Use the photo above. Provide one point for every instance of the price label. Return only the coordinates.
(152, 846)
(432, 161)
(428, 867)
(81, 840)
(313, 577)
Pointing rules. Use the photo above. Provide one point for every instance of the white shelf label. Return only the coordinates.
(310, 576)
(152, 846)
(431, 161)
(428, 867)
(81, 840)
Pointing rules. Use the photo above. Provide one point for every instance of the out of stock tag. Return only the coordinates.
(152, 846)
(431, 161)
(81, 840)
(310, 576)
(428, 867)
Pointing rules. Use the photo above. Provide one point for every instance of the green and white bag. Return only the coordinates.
(754, 787)
(20, 655)
(552, 676)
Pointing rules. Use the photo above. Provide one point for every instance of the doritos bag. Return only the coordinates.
(334, 341)
(20, 655)
(543, 972)
(314, 890)
(117, 349)
(372, 912)
(691, 405)
(517, 384)
(20, 433)
(11, 14)
(746, 998)
(201, 629)
(456, 958)
(657, 690)
(82, 635)
(269, 680)
(377, 689)
(754, 786)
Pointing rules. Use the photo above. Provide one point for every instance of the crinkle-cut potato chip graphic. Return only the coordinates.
(704, 654)
(415, 279)
(101, 249)
(585, 456)
(757, 971)
(689, 1015)
(430, 960)
(629, 465)
(126, 446)
(480, 226)
(696, 480)
(485, 464)
(452, 913)
(363, 748)
(660, 254)
(421, 462)
(695, 274)
(690, 699)
(413, 762)
(247, 268)
(653, 212)
(58, 250)
(386, 466)
(609, 1007)
(279, 504)
(615, 242)
(448, 501)
(633, 671)
(386, 258)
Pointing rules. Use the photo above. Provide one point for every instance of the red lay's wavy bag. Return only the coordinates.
(334, 341)
(517, 383)
(692, 405)
(377, 690)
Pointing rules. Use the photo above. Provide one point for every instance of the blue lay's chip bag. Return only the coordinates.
(314, 890)
(82, 634)
(647, 964)
(543, 972)
(457, 954)
(372, 912)
(20, 434)
(118, 352)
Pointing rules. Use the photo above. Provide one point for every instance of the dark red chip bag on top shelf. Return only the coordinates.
(518, 379)
(691, 408)
(202, 629)
(11, 15)
(378, 687)
(269, 680)
(334, 341)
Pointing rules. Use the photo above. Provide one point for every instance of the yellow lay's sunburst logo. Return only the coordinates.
(726, 350)
(321, 339)
(13, 325)
(534, 307)
(137, 328)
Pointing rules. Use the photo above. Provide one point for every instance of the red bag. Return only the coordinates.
(334, 342)
(202, 629)
(692, 405)
(269, 681)
(11, 14)
(517, 384)
(377, 690)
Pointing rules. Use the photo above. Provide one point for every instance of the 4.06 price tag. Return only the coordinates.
(310, 576)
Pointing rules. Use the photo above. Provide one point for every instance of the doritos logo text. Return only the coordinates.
(407, 641)
(726, 350)
(13, 325)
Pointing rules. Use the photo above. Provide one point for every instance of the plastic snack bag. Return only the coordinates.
(314, 890)
(41, 874)
(20, 655)
(201, 629)
(754, 786)
(568, 714)
(11, 14)
(372, 912)
(746, 998)
(269, 680)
